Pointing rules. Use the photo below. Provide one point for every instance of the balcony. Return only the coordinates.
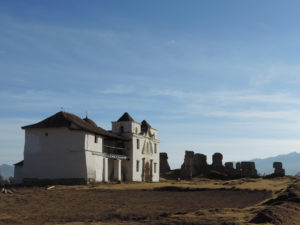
(115, 152)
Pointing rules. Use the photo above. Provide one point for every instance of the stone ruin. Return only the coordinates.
(217, 162)
(196, 165)
(248, 169)
(188, 165)
(199, 164)
(163, 163)
(278, 170)
(229, 169)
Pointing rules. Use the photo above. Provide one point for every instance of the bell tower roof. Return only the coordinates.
(126, 117)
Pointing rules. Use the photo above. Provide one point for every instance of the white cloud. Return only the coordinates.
(267, 115)
(118, 89)
(266, 74)
(230, 96)
(235, 104)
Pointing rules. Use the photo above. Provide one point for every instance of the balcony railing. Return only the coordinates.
(115, 152)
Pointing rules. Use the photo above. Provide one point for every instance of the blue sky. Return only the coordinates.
(211, 76)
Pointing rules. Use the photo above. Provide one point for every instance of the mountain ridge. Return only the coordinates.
(6, 171)
(290, 162)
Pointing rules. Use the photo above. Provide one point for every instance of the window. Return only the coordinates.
(155, 149)
(136, 130)
(137, 165)
(122, 129)
(137, 143)
(155, 167)
(96, 139)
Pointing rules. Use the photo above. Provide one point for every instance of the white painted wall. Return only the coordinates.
(99, 168)
(139, 154)
(132, 130)
(65, 153)
(60, 154)
(94, 162)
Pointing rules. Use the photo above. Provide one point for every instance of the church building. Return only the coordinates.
(65, 148)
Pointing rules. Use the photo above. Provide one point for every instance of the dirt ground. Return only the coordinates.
(201, 201)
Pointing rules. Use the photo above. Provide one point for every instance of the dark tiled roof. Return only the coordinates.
(125, 117)
(88, 120)
(64, 119)
(21, 163)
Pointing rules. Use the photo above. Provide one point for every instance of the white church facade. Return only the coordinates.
(65, 148)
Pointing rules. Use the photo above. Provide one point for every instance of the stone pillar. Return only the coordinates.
(163, 163)
(217, 162)
(187, 166)
(278, 170)
(117, 169)
(105, 169)
(199, 164)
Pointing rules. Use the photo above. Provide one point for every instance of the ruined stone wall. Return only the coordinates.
(278, 170)
(196, 165)
(230, 171)
(248, 169)
(217, 162)
(187, 167)
(164, 165)
(199, 164)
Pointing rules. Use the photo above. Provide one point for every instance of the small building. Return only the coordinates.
(65, 148)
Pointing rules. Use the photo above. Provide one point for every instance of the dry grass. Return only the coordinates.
(200, 201)
(245, 183)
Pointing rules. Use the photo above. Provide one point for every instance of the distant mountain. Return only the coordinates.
(291, 163)
(6, 171)
(298, 174)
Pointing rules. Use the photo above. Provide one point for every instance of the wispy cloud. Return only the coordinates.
(118, 89)
(266, 115)
(263, 75)
(229, 96)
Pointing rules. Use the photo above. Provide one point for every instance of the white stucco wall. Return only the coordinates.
(54, 153)
(139, 154)
(94, 162)
(132, 130)
(58, 153)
